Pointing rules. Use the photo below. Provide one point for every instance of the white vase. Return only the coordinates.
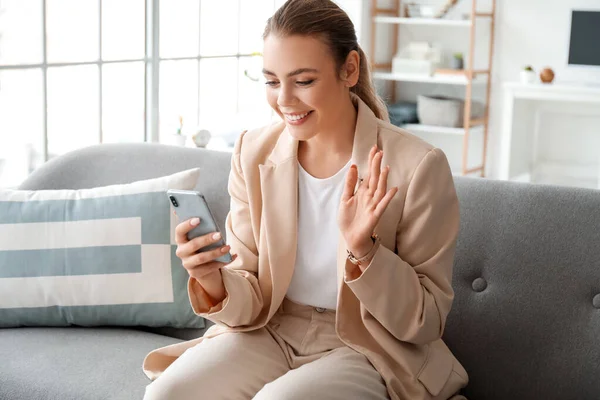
(528, 77)
(176, 140)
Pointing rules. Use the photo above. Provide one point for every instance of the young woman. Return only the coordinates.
(344, 230)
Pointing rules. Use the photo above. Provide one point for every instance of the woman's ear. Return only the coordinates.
(351, 69)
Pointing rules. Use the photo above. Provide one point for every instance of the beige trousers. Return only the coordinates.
(298, 355)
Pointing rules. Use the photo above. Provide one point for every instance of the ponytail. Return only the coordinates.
(365, 89)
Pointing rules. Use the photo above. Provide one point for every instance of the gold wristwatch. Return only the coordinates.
(369, 255)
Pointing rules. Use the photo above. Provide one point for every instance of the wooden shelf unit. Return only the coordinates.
(441, 129)
(444, 79)
(468, 77)
(423, 21)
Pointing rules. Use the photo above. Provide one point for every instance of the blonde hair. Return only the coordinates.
(327, 21)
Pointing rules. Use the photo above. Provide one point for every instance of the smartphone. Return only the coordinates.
(190, 204)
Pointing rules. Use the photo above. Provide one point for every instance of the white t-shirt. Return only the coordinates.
(314, 281)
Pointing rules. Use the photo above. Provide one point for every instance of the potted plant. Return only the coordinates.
(528, 75)
(178, 138)
(457, 61)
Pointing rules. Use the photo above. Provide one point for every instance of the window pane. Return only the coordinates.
(253, 110)
(252, 100)
(279, 3)
(219, 28)
(21, 124)
(354, 10)
(178, 96)
(218, 89)
(72, 108)
(20, 32)
(123, 102)
(179, 28)
(123, 30)
(252, 24)
(72, 30)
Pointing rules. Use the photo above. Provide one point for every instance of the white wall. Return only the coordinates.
(534, 32)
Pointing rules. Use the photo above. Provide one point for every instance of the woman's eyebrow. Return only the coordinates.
(296, 72)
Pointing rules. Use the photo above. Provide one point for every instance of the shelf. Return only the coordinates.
(459, 72)
(554, 91)
(415, 128)
(423, 21)
(562, 174)
(445, 79)
(472, 80)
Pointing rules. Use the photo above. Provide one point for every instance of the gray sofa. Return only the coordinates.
(525, 321)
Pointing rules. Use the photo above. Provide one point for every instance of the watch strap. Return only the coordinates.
(367, 257)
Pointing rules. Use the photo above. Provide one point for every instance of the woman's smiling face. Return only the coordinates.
(303, 84)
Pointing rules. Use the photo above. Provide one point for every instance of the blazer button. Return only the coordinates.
(319, 309)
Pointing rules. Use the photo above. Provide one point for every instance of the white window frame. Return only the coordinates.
(151, 61)
(44, 65)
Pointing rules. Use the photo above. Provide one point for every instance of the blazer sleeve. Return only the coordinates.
(409, 291)
(244, 300)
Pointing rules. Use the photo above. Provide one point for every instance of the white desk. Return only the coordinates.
(509, 162)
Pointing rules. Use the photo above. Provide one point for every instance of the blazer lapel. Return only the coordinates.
(279, 187)
(365, 137)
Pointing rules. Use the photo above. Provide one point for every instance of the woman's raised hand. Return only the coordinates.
(360, 211)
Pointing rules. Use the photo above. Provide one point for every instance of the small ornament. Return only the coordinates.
(547, 75)
(201, 137)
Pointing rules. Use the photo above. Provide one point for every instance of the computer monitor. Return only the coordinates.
(584, 45)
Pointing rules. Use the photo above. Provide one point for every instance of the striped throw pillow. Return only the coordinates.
(102, 256)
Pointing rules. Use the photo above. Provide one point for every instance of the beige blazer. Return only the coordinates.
(395, 312)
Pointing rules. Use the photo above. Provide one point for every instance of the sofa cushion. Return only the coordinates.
(101, 256)
(75, 363)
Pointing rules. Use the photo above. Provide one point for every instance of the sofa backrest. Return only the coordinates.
(526, 316)
(110, 164)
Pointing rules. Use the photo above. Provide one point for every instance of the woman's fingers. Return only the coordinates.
(371, 156)
(204, 257)
(351, 179)
(384, 202)
(198, 243)
(375, 168)
(183, 228)
(208, 268)
(382, 184)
